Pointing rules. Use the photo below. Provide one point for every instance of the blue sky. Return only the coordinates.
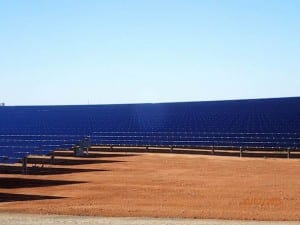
(98, 52)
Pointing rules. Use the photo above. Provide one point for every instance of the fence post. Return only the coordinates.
(241, 152)
(52, 158)
(24, 166)
(288, 153)
(213, 150)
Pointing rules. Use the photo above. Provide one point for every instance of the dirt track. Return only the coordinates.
(158, 185)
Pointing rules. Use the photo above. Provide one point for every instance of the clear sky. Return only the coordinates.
(106, 51)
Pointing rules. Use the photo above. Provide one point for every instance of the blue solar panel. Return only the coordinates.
(259, 123)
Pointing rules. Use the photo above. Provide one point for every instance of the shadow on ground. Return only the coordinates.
(43, 170)
(6, 197)
(69, 162)
(94, 154)
(11, 183)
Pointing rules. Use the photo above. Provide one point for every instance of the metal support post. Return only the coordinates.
(24, 166)
(87, 144)
(52, 159)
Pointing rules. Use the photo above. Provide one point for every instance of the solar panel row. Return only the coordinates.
(260, 123)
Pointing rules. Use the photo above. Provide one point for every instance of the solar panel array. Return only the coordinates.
(260, 123)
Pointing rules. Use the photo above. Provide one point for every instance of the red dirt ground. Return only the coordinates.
(159, 185)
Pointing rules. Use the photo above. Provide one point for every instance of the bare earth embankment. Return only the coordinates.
(157, 185)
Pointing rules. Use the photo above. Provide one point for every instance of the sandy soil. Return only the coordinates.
(33, 219)
(157, 185)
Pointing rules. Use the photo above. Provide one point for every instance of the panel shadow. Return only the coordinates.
(69, 162)
(10, 183)
(94, 154)
(6, 197)
(41, 170)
